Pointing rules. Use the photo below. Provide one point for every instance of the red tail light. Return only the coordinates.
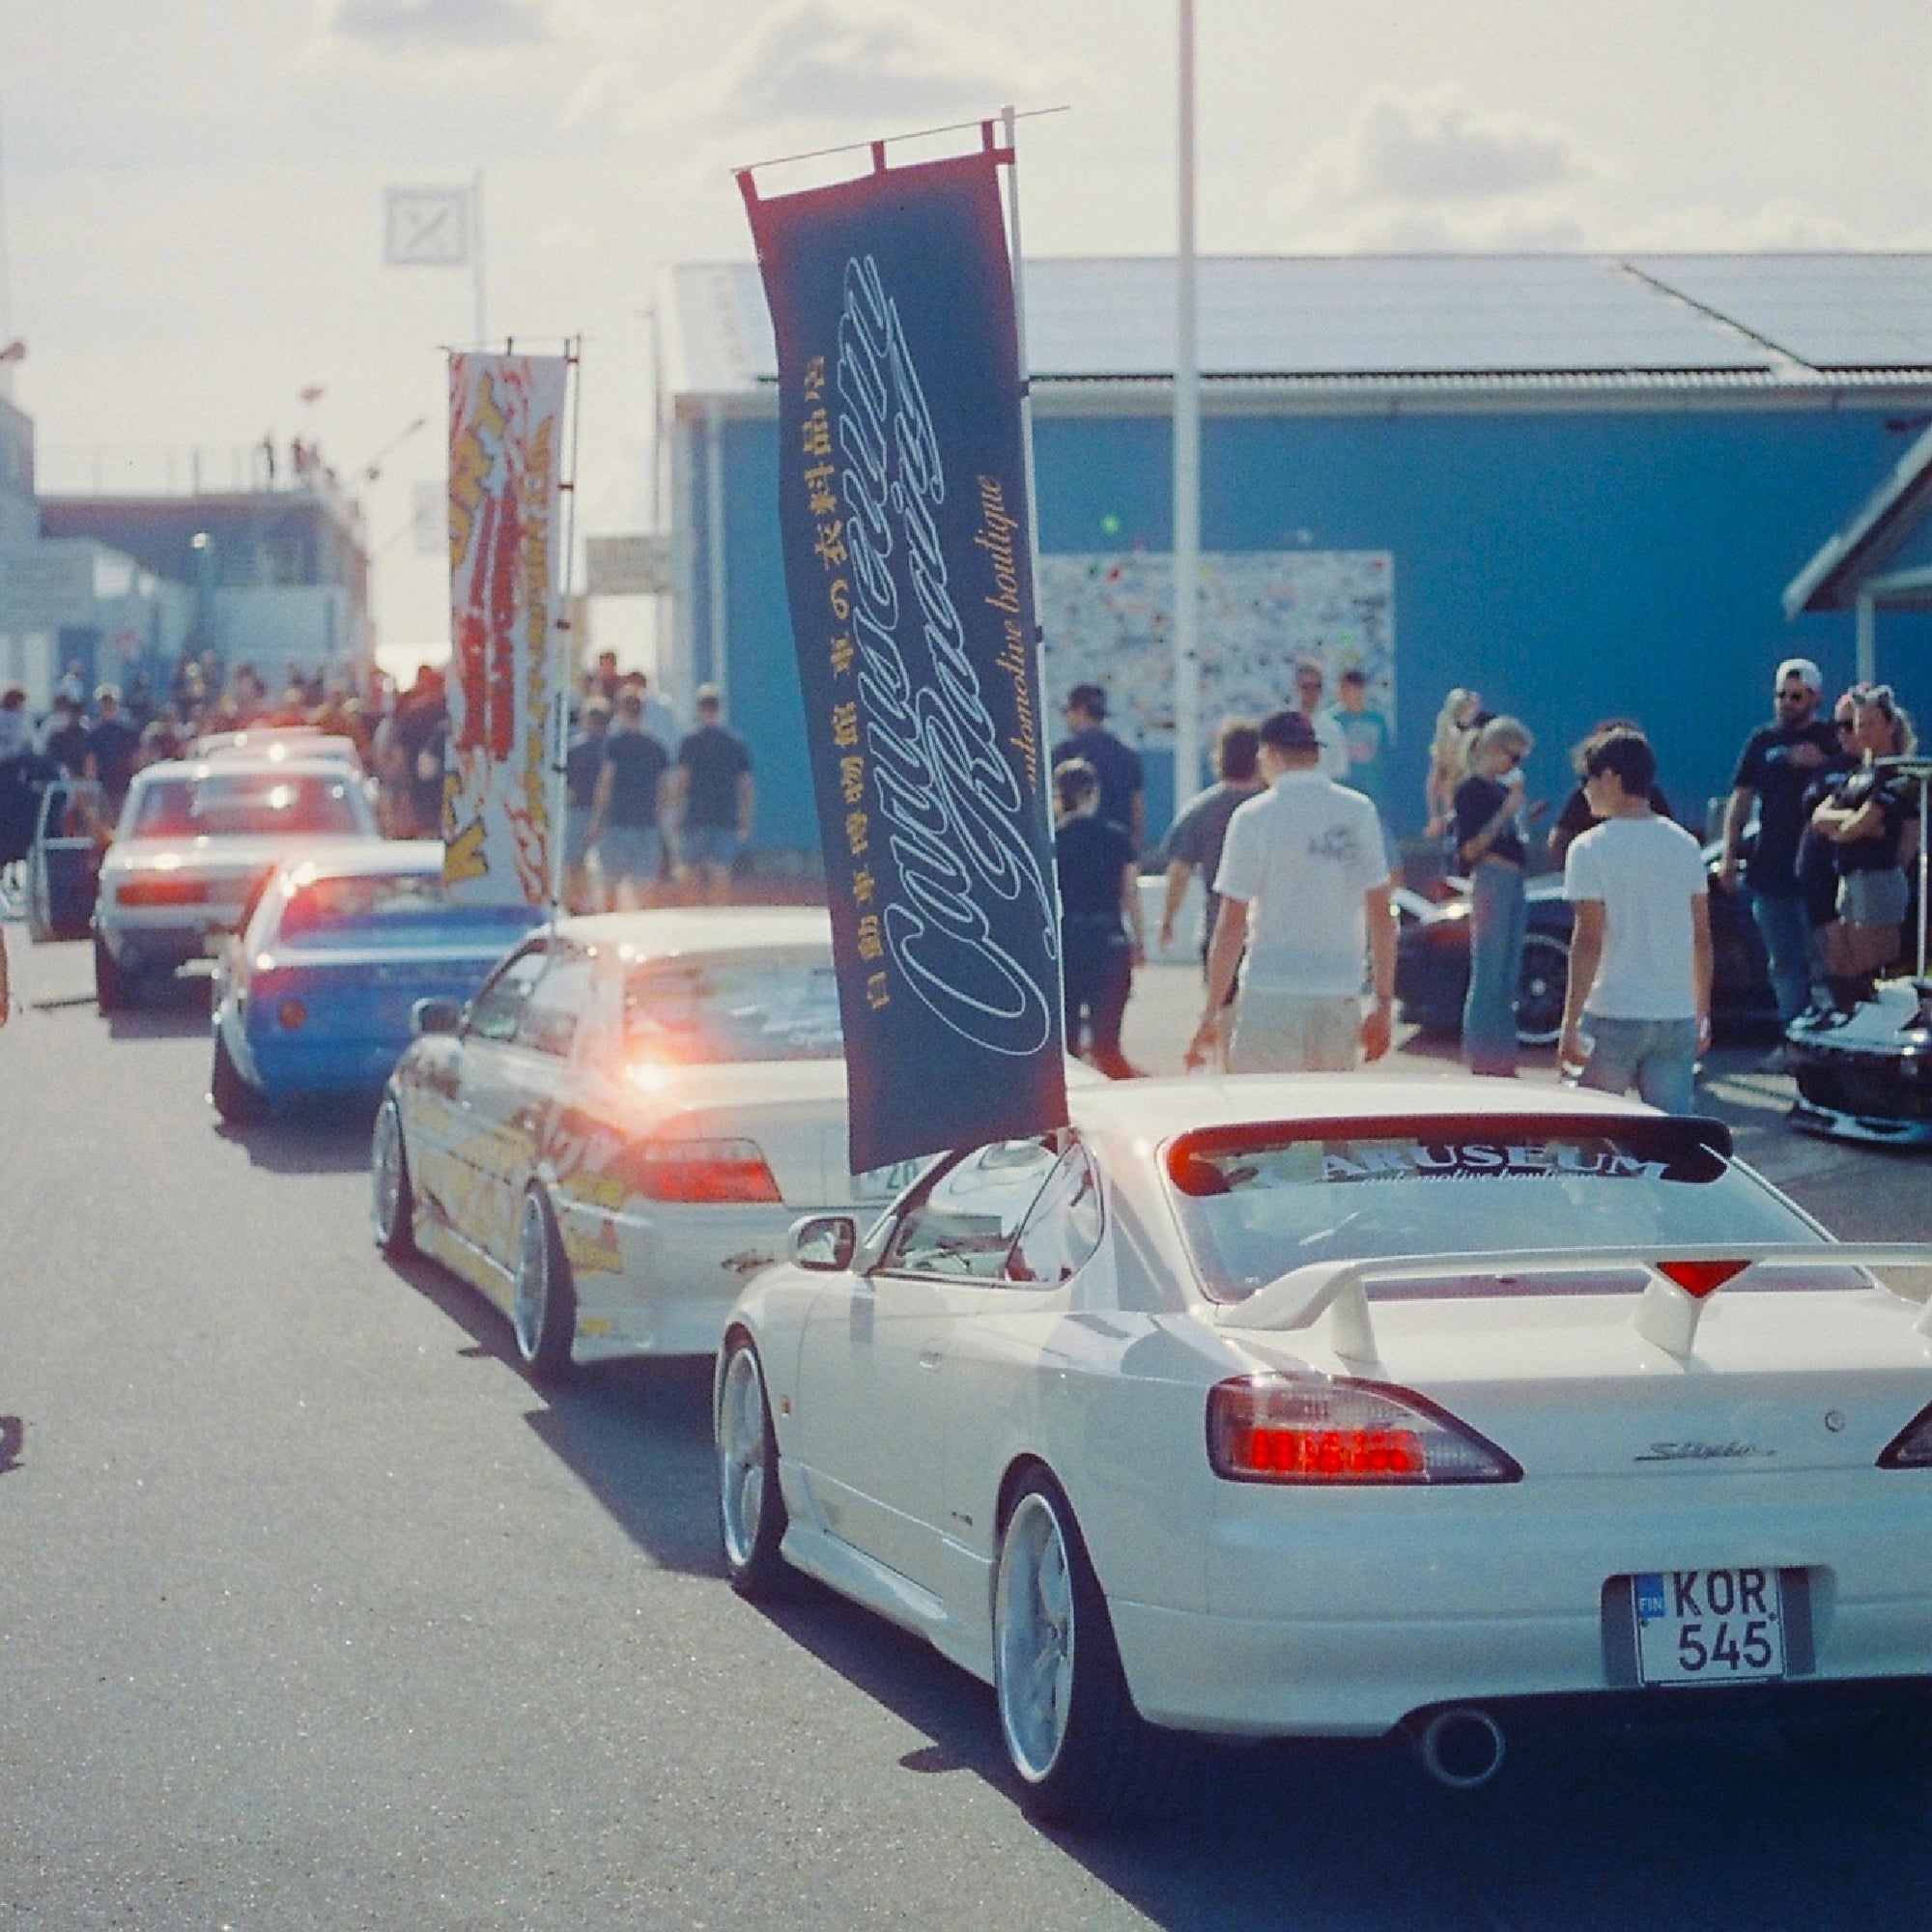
(161, 891)
(293, 1015)
(713, 1171)
(1278, 1428)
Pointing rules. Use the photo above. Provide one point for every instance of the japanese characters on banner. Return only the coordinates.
(505, 436)
(902, 506)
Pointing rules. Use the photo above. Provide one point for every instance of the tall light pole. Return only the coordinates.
(1187, 454)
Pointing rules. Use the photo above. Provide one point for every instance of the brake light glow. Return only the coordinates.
(153, 891)
(1281, 1429)
(1698, 1279)
(705, 1171)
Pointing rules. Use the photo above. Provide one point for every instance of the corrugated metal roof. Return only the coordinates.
(1569, 319)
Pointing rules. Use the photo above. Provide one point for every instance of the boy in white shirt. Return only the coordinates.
(1641, 953)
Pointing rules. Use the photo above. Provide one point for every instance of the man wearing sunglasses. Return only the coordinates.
(1778, 760)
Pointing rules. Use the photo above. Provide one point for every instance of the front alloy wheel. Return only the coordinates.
(392, 1201)
(751, 1509)
(1542, 983)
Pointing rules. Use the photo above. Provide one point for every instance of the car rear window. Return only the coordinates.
(722, 1010)
(229, 805)
(390, 911)
(1257, 1202)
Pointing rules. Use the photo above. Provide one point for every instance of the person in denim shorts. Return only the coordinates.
(1641, 953)
(715, 797)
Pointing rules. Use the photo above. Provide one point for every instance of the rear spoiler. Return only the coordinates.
(1677, 1284)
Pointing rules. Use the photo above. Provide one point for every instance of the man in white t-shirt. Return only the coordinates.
(1641, 953)
(1304, 883)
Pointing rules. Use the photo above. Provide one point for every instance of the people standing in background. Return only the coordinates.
(112, 748)
(1488, 826)
(68, 740)
(1456, 725)
(1310, 682)
(714, 797)
(1116, 765)
(1578, 814)
(1194, 841)
(583, 767)
(1870, 822)
(630, 812)
(1365, 740)
(1817, 867)
(1641, 949)
(1100, 939)
(1778, 760)
(16, 731)
(1304, 885)
(5, 983)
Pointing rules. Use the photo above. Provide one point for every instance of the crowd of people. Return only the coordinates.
(653, 811)
(1292, 842)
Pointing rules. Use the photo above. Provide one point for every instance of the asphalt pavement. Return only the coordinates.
(314, 1615)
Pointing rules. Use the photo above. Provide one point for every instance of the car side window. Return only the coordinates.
(552, 1013)
(1063, 1228)
(494, 1011)
(965, 1222)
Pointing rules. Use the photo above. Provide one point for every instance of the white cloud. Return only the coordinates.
(439, 26)
(860, 64)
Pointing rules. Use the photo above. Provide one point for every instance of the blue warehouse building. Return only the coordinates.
(1579, 483)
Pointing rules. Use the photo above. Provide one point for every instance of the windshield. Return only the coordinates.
(1255, 1204)
(230, 805)
(388, 910)
(716, 1011)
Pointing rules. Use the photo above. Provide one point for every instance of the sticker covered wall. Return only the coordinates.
(908, 570)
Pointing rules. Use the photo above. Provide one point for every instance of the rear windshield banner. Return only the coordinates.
(908, 569)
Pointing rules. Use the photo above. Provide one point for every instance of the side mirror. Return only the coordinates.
(437, 1015)
(824, 1243)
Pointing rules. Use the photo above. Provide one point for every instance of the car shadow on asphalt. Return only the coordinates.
(305, 1137)
(635, 1434)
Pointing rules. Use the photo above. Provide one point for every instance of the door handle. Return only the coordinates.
(928, 1359)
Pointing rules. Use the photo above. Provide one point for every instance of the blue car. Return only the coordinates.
(314, 992)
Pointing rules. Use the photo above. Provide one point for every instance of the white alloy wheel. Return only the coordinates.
(391, 1198)
(1084, 1755)
(751, 1509)
(1033, 1621)
(543, 1306)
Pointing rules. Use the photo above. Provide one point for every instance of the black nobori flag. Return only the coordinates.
(908, 568)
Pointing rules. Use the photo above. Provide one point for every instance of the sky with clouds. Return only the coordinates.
(192, 192)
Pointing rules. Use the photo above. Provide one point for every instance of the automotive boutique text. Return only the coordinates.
(908, 568)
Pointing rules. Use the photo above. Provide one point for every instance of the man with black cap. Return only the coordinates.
(1304, 882)
(1116, 765)
(1778, 760)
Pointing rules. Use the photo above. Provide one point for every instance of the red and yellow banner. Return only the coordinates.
(505, 438)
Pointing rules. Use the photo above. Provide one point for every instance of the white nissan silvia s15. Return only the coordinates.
(1319, 1406)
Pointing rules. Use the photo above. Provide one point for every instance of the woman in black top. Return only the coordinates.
(1869, 822)
(1486, 827)
(1100, 917)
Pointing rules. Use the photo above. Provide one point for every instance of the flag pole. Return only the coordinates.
(476, 257)
(564, 653)
(1186, 455)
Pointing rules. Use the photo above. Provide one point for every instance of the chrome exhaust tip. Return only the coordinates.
(1461, 1747)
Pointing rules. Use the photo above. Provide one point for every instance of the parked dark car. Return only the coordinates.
(1432, 962)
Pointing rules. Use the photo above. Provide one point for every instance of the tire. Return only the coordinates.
(751, 1516)
(392, 1201)
(1542, 983)
(1083, 1754)
(234, 1100)
(113, 989)
(543, 1303)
